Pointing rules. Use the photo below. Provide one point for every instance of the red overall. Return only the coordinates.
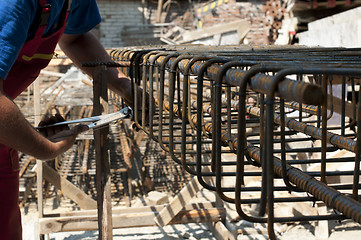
(34, 56)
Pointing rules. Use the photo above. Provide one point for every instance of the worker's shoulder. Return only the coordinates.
(18, 7)
(21, 4)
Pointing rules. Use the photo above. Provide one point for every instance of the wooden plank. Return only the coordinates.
(123, 210)
(253, 231)
(89, 223)
(103, 180)
(68, 189)
(321, 228)
(178, 202)
(126, 220)
(221, 232)
(159, 11)
(58, 83)
(337, 106)
(84, 164)
(51, 73)
(127, 153)
(199, 216)
(337, 102)
(222, 229)
(25, 166)
(241, 26)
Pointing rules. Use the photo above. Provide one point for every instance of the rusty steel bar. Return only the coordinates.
(333, 138)
(84, 165)
(289, 89)
(301, 107)
(333, 198)
(255, 152)
(291, 123)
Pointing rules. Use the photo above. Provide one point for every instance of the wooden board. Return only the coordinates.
(220, 231)
(337, 106)
(68, 189)
(122, 210)
(178, 202)
(126, 220)
(241, 26)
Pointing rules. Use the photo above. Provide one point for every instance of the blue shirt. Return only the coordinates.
(16, 17)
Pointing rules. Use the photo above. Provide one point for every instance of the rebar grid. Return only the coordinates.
(276, 110)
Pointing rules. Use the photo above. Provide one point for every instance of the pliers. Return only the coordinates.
(97, 121)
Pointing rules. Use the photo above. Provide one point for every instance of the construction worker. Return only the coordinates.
(29, 33)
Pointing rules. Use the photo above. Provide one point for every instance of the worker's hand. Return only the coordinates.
(123, 86)
(60, 132)
(50, 131)
(62, 136)
(148, 111)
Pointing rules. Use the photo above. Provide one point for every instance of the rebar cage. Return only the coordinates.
(233, 116)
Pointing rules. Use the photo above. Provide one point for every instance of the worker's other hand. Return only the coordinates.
(148, 112)
(123, 85)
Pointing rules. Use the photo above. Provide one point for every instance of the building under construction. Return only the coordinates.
(255, 102)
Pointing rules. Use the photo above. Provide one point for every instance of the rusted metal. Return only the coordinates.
(255, 101)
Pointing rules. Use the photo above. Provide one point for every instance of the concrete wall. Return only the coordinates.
(116, 15)
(340, 30)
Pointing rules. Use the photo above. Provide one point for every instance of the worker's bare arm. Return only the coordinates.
(16, 132)
(87, 48)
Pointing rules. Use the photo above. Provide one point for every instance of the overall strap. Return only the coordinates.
(69, 5)
(44, 11)
(42, 15)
